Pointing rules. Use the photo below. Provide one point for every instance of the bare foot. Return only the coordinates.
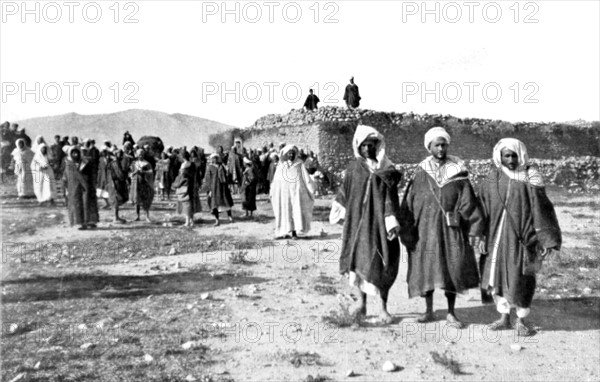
(385, 318)
(358, 309)
(523, 330)
(217, 223)
(426, 317)
(502, 324)
(452, 320)
(148, 219)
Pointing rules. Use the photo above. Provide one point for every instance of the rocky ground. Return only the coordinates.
(158, 302)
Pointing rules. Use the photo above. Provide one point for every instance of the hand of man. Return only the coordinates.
(392, 234)
(482, 247)
(472, 241)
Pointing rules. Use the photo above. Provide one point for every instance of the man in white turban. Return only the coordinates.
(445, 210)
(368, 203)
(522, 229)
(292, 195)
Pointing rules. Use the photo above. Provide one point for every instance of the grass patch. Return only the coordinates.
(299, 359)
(343, 318)
(447, 362)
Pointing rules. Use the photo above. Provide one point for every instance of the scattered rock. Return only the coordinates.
(350, 373)
(206, 296)
(19, 377)
(190, 378)
(189, 345)
(516, 348)
(587, 291)
(389, 367)
(37, 365)
(87, 345)
(148, 358)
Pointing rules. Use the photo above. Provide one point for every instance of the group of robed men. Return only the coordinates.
(440, 221)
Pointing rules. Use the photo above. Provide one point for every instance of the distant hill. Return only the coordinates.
(173, 129)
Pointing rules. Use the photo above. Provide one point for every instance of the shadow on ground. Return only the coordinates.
(74, 286)
(569, 314)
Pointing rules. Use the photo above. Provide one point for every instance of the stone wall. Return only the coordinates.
(329, 131)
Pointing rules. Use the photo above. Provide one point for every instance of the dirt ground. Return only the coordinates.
(158, 302)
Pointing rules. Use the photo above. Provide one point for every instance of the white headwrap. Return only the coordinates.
(360, 135)
(513, 145)
(288, 148)
(247, 161)
(523, 173)
(436, 132)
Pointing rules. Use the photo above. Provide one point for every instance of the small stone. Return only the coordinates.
(148, 358)
(350, 373)
(389, 367)
(172, 252)
(516, 347)
(206, 296)
(188, 345)
(190, 378)
(587, 290)
(19, 377)
(87, 345)
(37, 365)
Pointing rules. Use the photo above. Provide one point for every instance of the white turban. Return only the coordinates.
(436, 132)
(513, 145)
(364, 132)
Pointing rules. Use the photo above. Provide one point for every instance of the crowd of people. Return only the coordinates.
(442, 220)
(87, 174)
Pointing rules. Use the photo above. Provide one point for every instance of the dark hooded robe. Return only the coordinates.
(440, 256)
(248, 192)
(76, 186)
(529, 216)
(311, 102)
(369, 197)
(117, 183)
(215, 182)
(351, 96)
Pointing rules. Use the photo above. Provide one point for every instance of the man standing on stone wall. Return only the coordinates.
(311, 101)
(351, 95)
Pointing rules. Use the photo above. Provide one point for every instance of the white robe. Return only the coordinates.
(44, 184)
(292, 195)
(23, 160)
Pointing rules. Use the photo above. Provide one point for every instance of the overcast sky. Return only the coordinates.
(518, 61)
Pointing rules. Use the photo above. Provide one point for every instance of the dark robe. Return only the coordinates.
(142, 184)
(103, 169)
(248, 193)
(77, 190)
(189, 202)
(56, 159)
(263, 174)
(163, 173)
(351, 96)
(235, 169)
(90, 173)
(368, 199)
(117, 183)
(311, 102)
(215, 182)
(440, 256)
(200, 169)
(533, 216)
(128, 138)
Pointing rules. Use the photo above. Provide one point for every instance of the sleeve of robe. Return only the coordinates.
(470, 210)
(392, 204)
(409, 235)
(544, 219)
